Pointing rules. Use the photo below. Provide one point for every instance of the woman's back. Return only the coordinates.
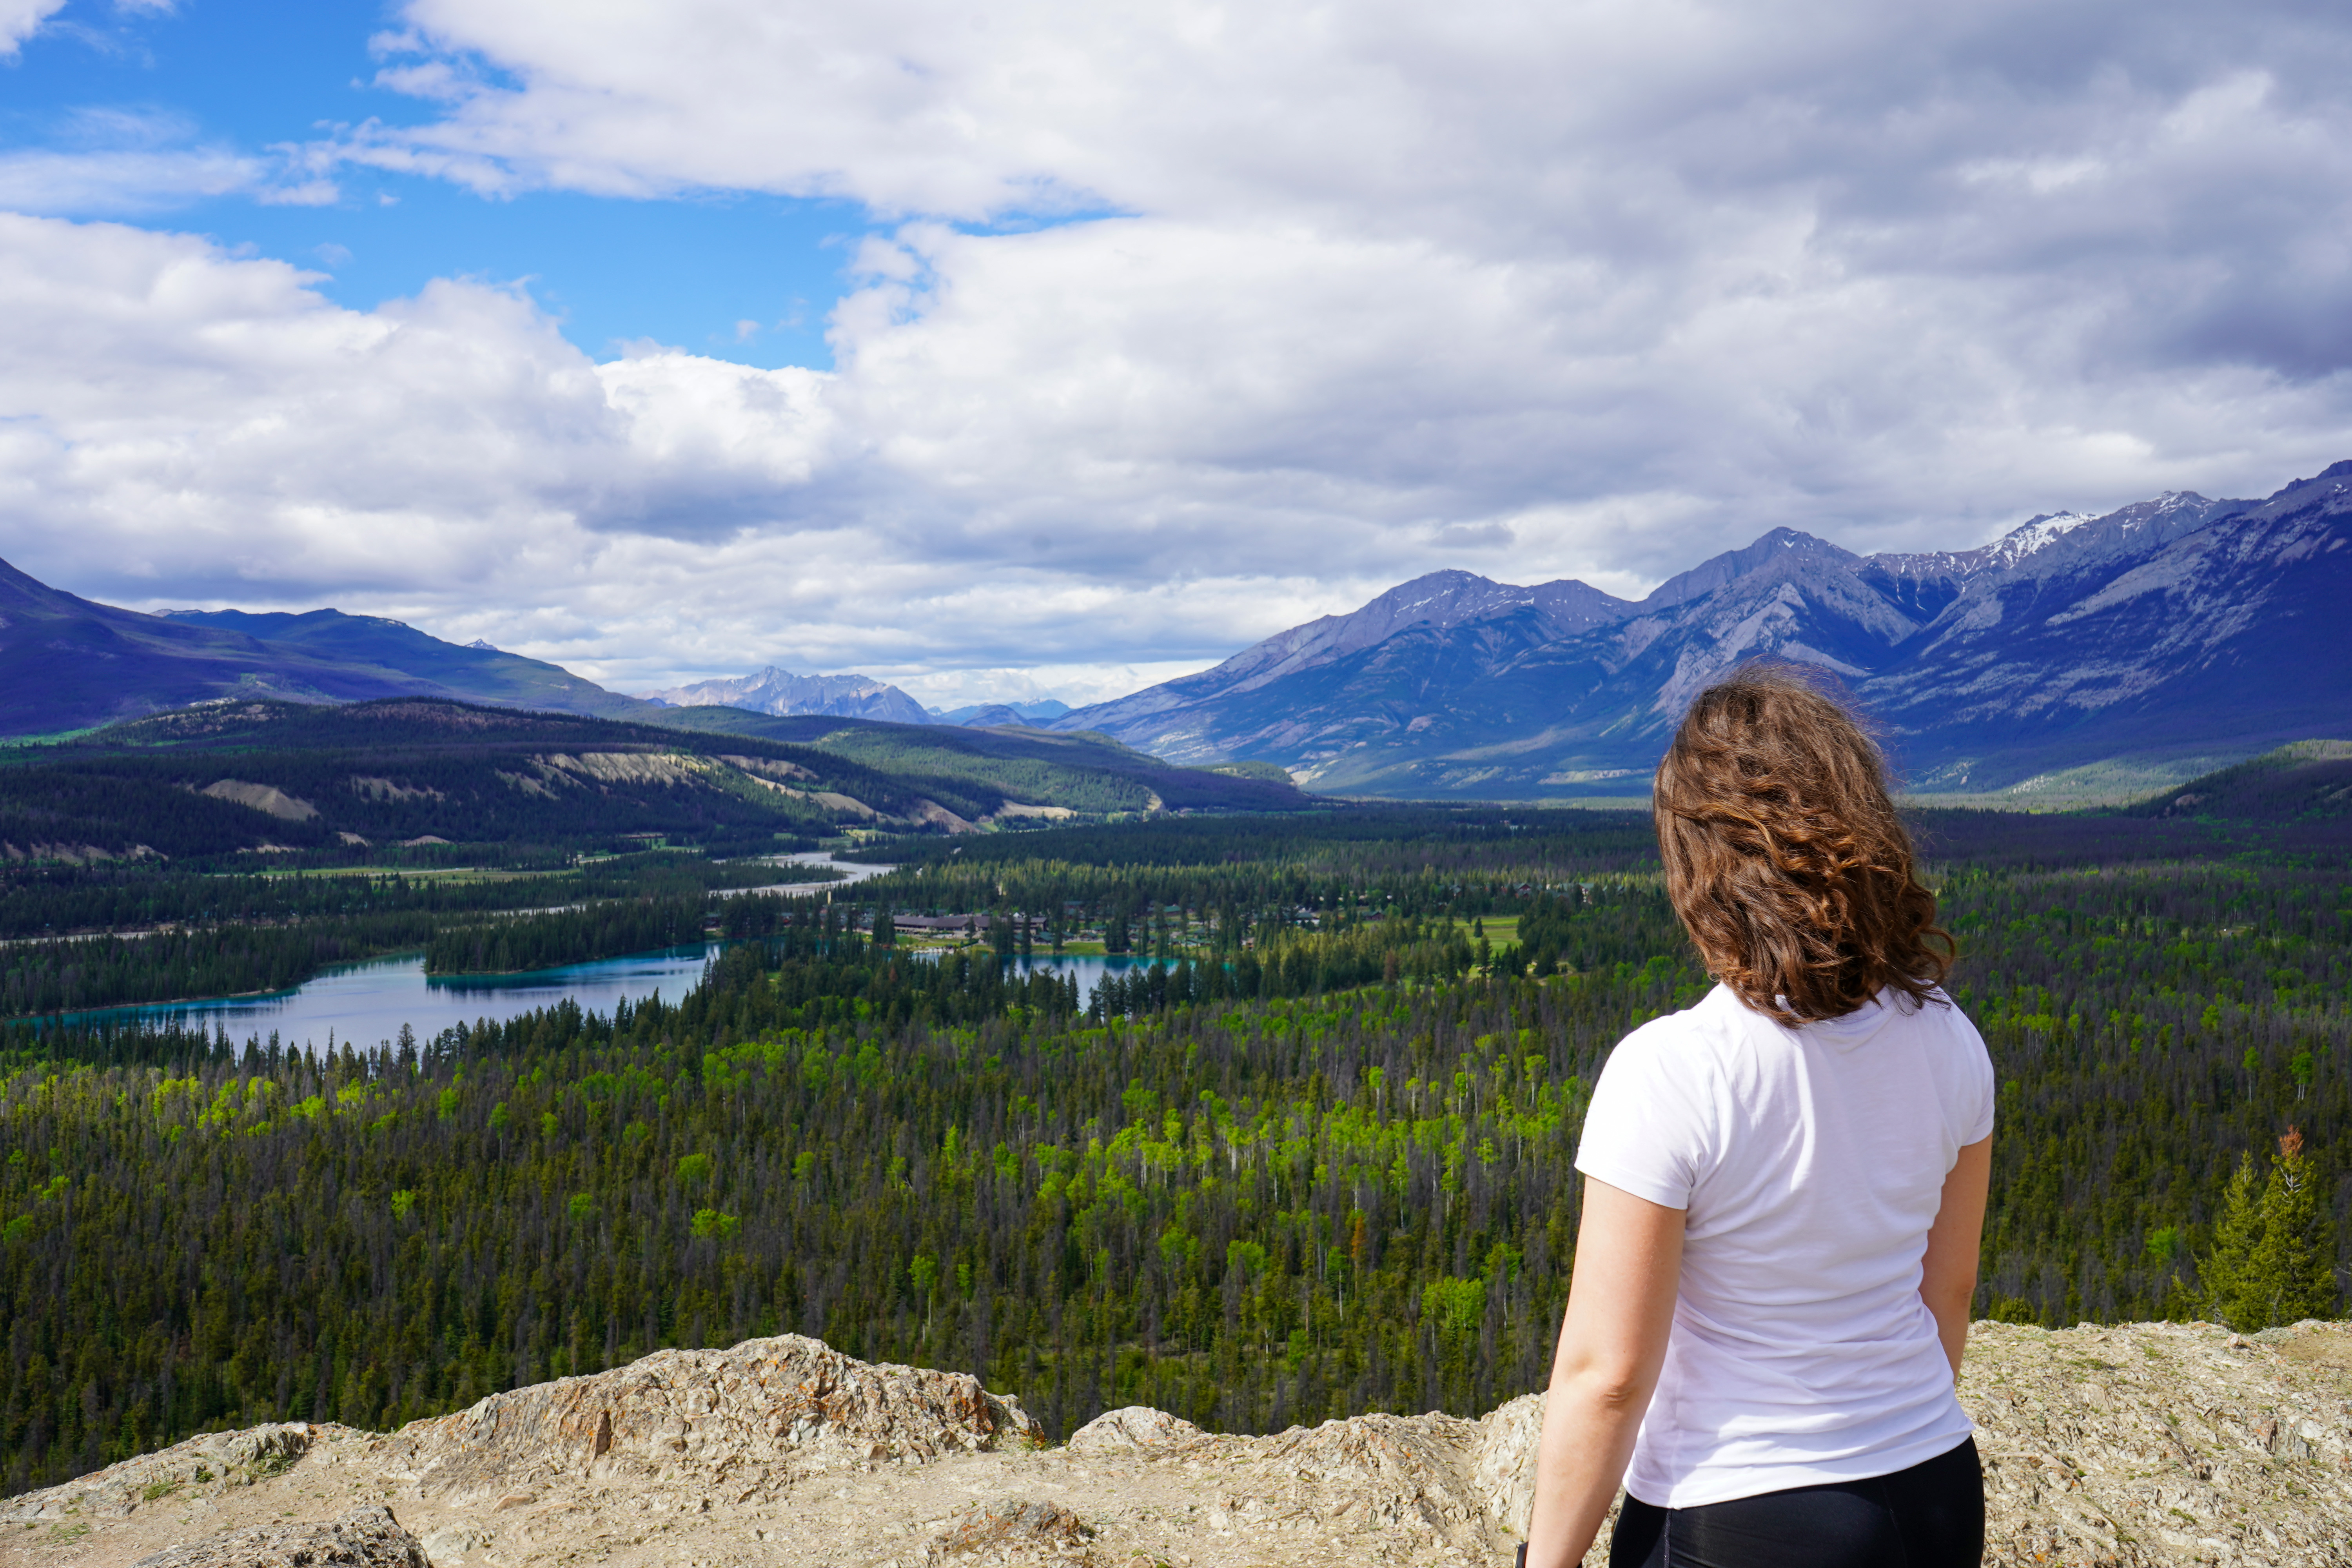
(1810, 1161)
(1784, 1186)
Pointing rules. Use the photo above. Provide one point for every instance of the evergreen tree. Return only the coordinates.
(2235, 1235)
(2273, 1260)
(2293, 1273)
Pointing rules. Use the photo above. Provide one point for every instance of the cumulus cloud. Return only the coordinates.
(1183, 322)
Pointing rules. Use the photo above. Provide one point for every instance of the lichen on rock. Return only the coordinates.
(1133, 1426)
(212, 1461)
(1017, 1530)
(754, 1416)
(366, 1538)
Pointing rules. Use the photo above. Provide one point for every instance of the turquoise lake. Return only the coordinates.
(366, 1004)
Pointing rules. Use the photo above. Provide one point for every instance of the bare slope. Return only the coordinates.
(2145, 1444)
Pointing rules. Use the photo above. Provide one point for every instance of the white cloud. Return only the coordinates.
(1192, 321)
(118, 162)
(47, 180)
(20, 19)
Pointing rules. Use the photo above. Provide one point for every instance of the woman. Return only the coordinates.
(1784, 1187)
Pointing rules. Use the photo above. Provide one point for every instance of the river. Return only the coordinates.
(851, 871)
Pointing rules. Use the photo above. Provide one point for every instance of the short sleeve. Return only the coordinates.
(1648, 1131)
(1978, 1090)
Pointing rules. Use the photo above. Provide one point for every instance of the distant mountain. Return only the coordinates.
(987, 717)
(68, 664)
(475, 671)
(2174, 625)
(780, 692)
(984, 714)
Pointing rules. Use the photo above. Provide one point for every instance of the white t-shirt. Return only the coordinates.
(1811, 1162)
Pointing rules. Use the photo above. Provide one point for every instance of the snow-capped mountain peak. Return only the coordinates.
(2034, 535)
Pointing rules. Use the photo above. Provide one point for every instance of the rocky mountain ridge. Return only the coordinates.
(780, 692)
(2141, 1444)
(2157, 628)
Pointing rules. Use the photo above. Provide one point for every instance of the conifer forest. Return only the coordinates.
(1316, 1160)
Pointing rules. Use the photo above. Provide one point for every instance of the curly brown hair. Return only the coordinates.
(1784, 857)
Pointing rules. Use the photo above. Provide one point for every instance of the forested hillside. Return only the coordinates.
(1334, 1188)
(275, 776)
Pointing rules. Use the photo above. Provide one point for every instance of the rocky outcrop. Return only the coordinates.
(2146, 1446)
(1016, 1530)
(747, 1420)
(2161, 1443)
(218, 1460)
(366, 1538)
(1131, 1427)
(1503, 1471)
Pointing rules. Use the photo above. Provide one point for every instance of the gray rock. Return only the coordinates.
(211, 1462)
(1503, 1470)
(367, 1538)
(1131, 1427)
(2138, 1445)
(1018, 1529)
(760, 1414)
(455, 1542)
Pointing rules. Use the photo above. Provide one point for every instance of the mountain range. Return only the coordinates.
(2177, 627)
(68, 663)
(2177, 632)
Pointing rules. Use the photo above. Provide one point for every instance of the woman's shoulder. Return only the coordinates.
(1707, 1030)
(1937, 1015)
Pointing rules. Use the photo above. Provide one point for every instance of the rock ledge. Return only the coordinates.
(2144, 1445)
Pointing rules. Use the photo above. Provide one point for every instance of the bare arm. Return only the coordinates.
(1620, 1308)
(1948, 1275)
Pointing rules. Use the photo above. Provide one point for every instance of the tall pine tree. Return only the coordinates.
(2273, 1257)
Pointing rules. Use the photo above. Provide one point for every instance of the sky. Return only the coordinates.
(1056, 348)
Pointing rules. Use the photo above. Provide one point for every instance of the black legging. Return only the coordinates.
(1929, 1516)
